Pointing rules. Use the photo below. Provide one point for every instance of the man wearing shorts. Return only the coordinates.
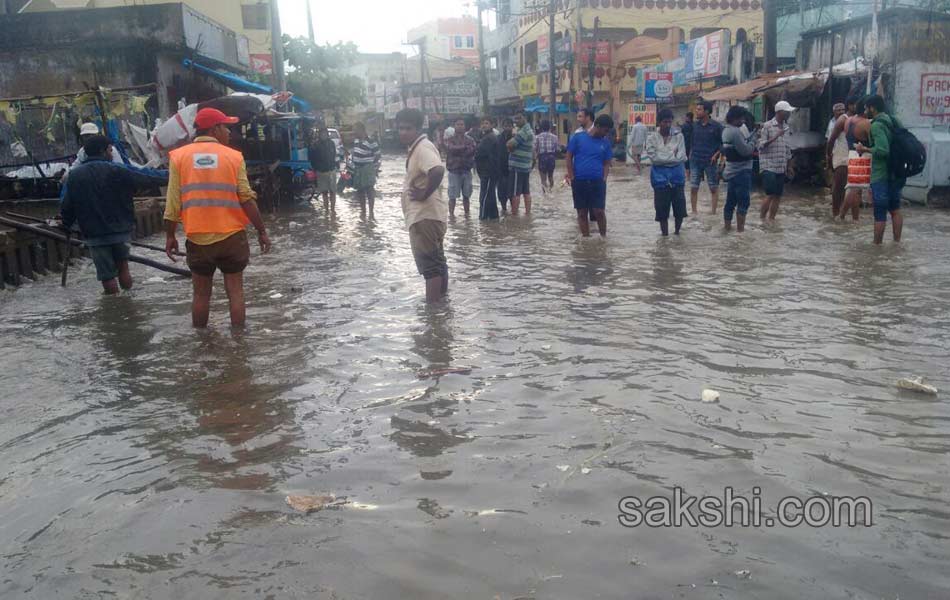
(521, 148)
(459, 160)
(323, 160)
(885, 188)
(425, 209)
(545, 149)
(774, 156)
(208, 192)
(588, 164)
(704, 154)
(99, 198)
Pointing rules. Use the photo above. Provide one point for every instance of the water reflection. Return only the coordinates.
(235, 401)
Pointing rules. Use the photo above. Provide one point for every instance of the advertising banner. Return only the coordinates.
(645, 111)
(658, 87)
(706, 56)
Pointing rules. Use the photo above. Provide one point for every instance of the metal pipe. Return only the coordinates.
(62, 238)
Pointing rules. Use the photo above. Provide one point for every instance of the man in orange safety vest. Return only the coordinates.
(209, 194)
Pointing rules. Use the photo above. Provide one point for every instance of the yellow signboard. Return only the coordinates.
(528, 85)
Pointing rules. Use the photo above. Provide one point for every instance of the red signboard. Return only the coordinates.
(935, 94)
(262, 64)
(602, 52)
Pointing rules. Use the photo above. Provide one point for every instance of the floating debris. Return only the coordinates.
(916, 385)
(155, 280)
(710, 396)
(309, 504)
(276, 296)
(446, 371)
(563, 468)
(744, 574)
(362, 506)
(585, 471)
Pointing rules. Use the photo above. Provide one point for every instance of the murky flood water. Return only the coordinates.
(142, 459)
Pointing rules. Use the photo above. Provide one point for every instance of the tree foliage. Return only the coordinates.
(317, 73)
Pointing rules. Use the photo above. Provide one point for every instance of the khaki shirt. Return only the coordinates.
(423, 157)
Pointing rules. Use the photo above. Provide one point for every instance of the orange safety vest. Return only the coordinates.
(209, 188)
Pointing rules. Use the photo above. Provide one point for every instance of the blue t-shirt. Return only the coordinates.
(590, 154)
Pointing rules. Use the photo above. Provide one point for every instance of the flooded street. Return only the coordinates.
(143, 459)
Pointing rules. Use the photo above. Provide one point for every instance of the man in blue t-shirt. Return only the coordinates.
(588, 164)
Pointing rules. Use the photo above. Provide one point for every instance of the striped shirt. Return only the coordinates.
(522, 156)
(365, 152)
(775, 156)
(546, 143)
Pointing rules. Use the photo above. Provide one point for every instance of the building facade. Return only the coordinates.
(624, 36)
(449, 39)
(911, 56)
(248, 19)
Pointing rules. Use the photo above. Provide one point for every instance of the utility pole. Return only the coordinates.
(277, 48)
(552, 69)
(831, 74)
(592, 64)
(422, 72)
(770, 32)
(482, 74)
(875, 41)
(313, 40)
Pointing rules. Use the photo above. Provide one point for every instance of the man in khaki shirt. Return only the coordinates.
(425, 209)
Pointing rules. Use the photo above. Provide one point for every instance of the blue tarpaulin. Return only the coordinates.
(243, 85)
(537, 105)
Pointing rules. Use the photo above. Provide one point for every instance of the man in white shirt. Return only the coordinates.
(638, 138)
(423, 205)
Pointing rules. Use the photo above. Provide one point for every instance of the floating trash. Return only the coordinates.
(744, 574)
(916, 385)
(563, 468)
(309, 504)
(446, 371)
(710, 396)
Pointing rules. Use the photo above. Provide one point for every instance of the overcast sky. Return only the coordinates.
(375, 25)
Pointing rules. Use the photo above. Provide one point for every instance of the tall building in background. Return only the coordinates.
(249, 19)
(449, 39)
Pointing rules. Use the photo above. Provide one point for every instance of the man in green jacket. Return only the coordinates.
(884, 187)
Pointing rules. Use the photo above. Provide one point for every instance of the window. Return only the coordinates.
(470, 41)
(254, 16)
(458, 41)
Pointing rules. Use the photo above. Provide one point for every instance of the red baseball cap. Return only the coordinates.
(209, 117)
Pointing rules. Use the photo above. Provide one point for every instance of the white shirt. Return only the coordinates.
(638, 135)
(423, 157)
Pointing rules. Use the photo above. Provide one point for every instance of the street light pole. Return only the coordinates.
(277, 48)
(313, 40)
(592, 64)
(552, 71)
(482, 75)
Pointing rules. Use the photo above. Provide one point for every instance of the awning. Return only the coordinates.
(243, 85)
(746, 90)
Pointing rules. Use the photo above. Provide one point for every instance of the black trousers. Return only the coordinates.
(488, 206)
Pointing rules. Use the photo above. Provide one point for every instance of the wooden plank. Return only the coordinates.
(11, 273)
(53, 259)
(23, 262)
(37, 258)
